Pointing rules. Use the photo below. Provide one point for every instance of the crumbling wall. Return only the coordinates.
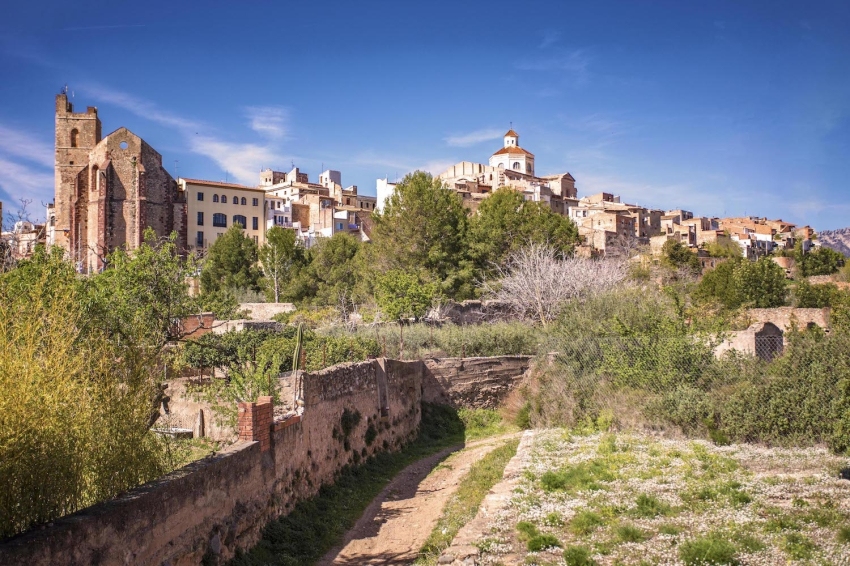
(786, 317)
(481, 383)
(265, 311)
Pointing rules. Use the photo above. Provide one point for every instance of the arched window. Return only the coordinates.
(215, 198)
(220, 220)
(244, 201)
(239, 219)
(223, 199)
(75, 133)
(528, 168)
(516, 165)
(95, 178)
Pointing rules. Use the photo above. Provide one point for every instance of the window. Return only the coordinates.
(339, 225)
(239, 219)
(348, 201)
(215, 198)
(200, 218)
(244, 201)
(256, 202)
(516, 165)
(220, 220)
(256, 240)
(223, 199)
(200, 195)
(199, 239)
(255, 223)
(74, 135)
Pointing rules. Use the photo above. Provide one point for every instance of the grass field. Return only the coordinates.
(621, 499)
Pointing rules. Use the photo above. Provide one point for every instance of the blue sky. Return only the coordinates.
(720, 108)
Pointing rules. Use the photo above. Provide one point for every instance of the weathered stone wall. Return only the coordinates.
(265, 311)
(786, 317)
(214, 506)
(473, 382)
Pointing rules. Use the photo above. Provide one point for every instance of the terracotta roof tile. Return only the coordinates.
(511, 132)
(513, 150)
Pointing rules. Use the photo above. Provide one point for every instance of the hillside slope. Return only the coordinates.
(839, 240)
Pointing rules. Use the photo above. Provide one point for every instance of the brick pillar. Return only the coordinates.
(255, 422)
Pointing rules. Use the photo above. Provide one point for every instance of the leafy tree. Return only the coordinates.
(676, 255)
(278, 257)
(724, 248)
(423, 230)
(738, 282)
(720, 284)
(403, 295)
(819, 261)
(762, 283)
(230, 263)
(330, 273)
(811, 296)
(505, 222)
(141, 295)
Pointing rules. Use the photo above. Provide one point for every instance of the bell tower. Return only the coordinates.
(77, 133)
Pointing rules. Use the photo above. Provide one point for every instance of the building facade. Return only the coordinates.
(213, 207)
(108, 190)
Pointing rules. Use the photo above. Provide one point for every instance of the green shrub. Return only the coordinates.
(843, 535)
(578, 556)
(585, 522)
(630, 533)
(580, 477)
(650, 506)
(709, 550)
(798, 547)
(541, 542)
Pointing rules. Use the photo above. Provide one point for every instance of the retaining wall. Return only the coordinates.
(216, 505)
(476, 383)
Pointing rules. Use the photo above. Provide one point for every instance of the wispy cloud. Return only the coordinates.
(20, 181)
(242, 160)
(26, 170)
(472, 138)
(24, 146)
(140, 107)
(270, 121)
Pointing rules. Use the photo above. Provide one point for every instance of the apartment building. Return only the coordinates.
(215, 206)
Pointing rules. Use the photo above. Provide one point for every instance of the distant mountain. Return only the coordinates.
(839, 240)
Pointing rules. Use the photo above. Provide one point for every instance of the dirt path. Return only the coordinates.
(398, 521)
(463, 550)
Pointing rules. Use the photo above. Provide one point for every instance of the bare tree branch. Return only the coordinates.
(536, 281)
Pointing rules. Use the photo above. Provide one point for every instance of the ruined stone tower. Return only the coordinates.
(109, 190)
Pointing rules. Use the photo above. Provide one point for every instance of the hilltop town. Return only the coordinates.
(482, 366)
(110, 188)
